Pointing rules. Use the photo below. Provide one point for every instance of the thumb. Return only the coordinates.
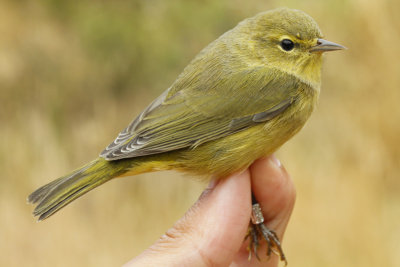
(210, 233)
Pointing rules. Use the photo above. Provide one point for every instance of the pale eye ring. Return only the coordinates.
(287, 44)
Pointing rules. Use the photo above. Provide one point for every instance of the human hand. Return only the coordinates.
(212, 231)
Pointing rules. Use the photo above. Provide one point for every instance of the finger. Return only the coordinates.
(210, 233)
(275, 191)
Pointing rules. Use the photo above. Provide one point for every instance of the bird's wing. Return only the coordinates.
(190, 116)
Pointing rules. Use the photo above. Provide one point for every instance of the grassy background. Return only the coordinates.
(72, 74)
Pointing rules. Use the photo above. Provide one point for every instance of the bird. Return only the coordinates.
(241, 98)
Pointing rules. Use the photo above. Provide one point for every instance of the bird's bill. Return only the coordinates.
(325, 46)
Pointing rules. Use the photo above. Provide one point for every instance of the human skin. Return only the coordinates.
(212, 231)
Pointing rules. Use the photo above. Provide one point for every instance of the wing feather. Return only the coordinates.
(192, 116)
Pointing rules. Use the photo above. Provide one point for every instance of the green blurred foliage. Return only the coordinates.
(73, 74)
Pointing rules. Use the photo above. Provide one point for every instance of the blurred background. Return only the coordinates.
(75, 73)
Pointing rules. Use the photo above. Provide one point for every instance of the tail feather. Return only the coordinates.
(57, 194)
(41, 192)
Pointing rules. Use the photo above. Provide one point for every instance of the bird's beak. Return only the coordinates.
(325, 46)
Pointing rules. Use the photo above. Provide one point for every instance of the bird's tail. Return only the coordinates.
(55, 195)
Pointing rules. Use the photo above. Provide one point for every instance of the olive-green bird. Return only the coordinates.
(239, 99)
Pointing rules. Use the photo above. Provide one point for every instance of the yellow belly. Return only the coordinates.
(237, 151)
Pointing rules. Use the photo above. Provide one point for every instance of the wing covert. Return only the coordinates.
(192, 116)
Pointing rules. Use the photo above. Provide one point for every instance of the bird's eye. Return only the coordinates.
(287, 44)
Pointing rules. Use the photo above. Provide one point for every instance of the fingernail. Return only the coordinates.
(276, 161)
(212, 183)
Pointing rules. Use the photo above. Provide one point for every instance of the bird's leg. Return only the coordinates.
(257, 230)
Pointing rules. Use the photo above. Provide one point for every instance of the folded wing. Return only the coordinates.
(190, 116)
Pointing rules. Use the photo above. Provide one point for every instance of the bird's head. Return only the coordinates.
(289, 40)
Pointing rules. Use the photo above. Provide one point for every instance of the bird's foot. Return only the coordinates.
(258, 232)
